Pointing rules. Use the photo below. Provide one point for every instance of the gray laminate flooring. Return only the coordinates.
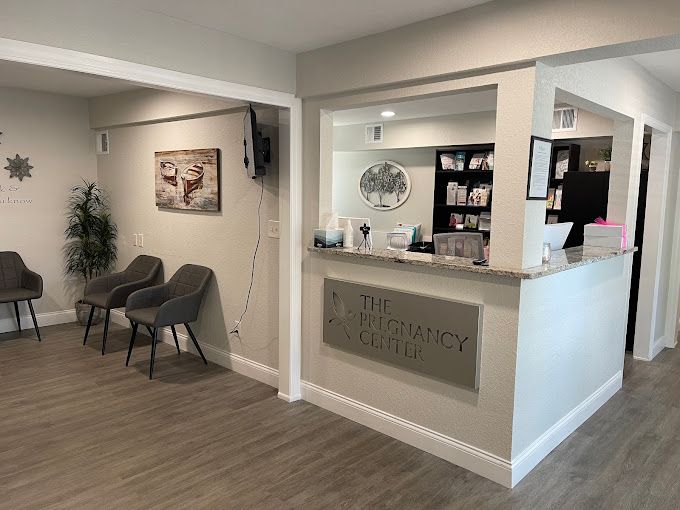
(78, 430)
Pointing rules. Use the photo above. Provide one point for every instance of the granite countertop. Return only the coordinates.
(562, 260)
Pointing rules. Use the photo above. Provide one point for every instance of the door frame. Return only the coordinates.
(290, 200)
(646, 346)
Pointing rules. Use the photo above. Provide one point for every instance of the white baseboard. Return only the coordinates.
(659, 345)
(551, 438)
(44, 319)
(235, 362)
(469, 457)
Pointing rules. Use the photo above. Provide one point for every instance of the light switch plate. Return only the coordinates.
(273, 229)
(141, 240)
(135, 240)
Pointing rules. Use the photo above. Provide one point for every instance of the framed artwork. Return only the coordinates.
(540, 158)
(188, 179)
(384, 185)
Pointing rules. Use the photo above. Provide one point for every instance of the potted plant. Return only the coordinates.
(91, 235)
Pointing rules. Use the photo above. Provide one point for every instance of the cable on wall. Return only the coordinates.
(252, 269)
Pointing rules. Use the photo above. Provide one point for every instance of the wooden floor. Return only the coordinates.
(78, 430)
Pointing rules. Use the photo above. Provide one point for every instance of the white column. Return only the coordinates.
(524, 109)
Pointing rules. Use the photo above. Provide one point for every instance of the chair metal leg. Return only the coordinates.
(153, 352)
(150, 331)
(16, 311)
(35, 322)
(106, 330)
(132, 342)
(174, 335)
(193, 339)
(89, 323)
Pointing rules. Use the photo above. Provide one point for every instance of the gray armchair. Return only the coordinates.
(18, 283)
(175, 302)
(112, 291)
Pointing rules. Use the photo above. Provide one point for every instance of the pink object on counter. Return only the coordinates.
(624, 239)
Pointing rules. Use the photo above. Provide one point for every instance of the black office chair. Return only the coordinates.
(112, 290)
(175, 302)
(18, 283)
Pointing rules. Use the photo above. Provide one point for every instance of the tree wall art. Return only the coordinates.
(384, 185)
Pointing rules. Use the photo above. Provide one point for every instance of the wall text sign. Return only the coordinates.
(431, 336)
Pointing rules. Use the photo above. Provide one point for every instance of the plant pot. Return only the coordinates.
(83, 313)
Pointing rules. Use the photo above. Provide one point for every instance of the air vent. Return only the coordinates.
(565, 119)
(102, 142)
(374, 133)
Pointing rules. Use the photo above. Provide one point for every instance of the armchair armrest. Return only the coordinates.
(32, 281)
(103, 283)
(179, 310)
(146, 298)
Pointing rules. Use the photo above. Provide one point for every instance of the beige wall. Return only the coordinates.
(223, 241)
(113, 30)
(147, 105)
(419, 164)
(463, 129)
(53, 132)
(499, 33)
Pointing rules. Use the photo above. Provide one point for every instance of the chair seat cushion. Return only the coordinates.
(17, 294)
(146, 316)
(100, 300)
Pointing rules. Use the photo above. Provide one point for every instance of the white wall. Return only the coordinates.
(108, 28)
(486, 36)
(565, 350)
(223, 241)
(53, 132)
(419, 163)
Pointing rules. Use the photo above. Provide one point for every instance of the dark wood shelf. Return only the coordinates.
(441, 212)
(463, 172)
(473, 207)
(454, 229)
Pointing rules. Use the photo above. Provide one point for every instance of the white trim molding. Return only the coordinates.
(523, 463)
(9, 324)
(235, 362)
(486, 464)
(457, 452)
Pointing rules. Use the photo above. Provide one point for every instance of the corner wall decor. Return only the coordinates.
(188, 179)
(384, 185)
(18, 167)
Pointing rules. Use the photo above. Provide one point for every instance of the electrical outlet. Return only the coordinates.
(134, 240)
(273, 227)
(141, 240)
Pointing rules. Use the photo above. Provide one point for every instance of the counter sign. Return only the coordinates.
(431, 336)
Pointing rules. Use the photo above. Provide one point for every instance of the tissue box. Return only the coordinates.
(598, 230)
(328, 238)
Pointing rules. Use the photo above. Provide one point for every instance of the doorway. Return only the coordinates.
(639, 240)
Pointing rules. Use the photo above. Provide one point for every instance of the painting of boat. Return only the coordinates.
(198, 171)
(192, 178)
(169, 172)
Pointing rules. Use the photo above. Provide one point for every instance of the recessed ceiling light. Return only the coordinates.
(387, 114)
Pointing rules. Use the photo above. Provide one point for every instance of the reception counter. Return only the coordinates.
(550, 350)
(562, 260)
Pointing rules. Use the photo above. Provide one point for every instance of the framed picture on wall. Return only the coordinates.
(188, 179)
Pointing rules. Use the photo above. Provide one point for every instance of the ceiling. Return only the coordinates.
(665, 65)
(57, 81)
(469, 102)
(301, 25)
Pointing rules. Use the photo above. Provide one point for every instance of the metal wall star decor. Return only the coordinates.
(18, 167)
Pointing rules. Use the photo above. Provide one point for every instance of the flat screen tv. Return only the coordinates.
(255, 142)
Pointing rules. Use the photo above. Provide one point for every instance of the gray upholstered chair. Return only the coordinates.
(18, 283)
(175, 302)
(112, 290)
